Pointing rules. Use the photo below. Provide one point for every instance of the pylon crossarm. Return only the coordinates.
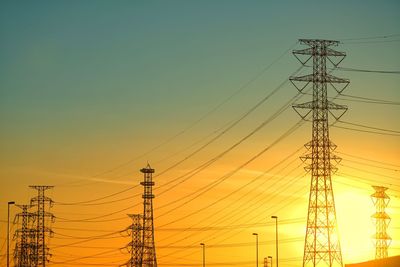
(303, 52)
(333, 79)
(300, 107)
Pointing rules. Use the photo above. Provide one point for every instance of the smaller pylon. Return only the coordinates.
(42, 217)
(149, 258)
(382, 220)
(25, 237)
(135, 246)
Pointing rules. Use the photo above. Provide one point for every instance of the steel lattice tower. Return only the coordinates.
(24, 236)
(382, 220)
(148, 248)
(135, 246)
(41, 250)
(322, 245)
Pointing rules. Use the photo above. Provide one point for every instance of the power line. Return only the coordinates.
(371, 165)
(238, 210)
(96, 199)
(287, 133)
(372, 42)
(370, 160)
(371, 37)
(218, 106)
(369, 71)
(242, 117)
(200, 168)
(369, 127)
(369, 172)
(252, 109)
(389, 102)
(363, 131)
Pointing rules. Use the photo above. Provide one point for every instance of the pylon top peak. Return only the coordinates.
(312, 41)
(44, 187)
(148, 169)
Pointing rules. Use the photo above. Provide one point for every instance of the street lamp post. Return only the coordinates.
(204, 254)
(8, 231)
(276, 238)
(256, 248)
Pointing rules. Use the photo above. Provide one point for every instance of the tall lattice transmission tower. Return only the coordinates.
(148, 248)
(382, 220)
(135, 246)
(322, 245)
(41, 251)
(24, 236)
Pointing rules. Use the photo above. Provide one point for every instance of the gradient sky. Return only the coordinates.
(90, 91)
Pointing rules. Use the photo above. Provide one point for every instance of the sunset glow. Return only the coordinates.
(92, 92)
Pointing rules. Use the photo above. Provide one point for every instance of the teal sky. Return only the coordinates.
(74, 67)
(88, 85)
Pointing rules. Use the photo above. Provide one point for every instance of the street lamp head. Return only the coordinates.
(270, 257)
(202, 244)
(255, 234)
(274, 217)
(11, 202)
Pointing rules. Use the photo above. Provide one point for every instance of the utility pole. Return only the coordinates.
(256, 234)
(135, 246)
(8, 231)
(41, 251)
(204, 253)
(382, 220)
(148, 247)
(322, 245)
(276, 240)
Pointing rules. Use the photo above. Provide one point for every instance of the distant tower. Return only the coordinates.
(135, 246)
(382, 220)
(322, 246)
(41, 251)
(24, 236)
(148, 248)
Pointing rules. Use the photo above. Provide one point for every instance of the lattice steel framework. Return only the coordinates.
(322, 245)
(382, 220)
(41, 251)
(24, 236)
(148, 247)
(135, 246)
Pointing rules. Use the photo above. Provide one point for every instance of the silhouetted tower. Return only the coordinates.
(322, 245)
(41, 251)
(382, 220)
(24, 236)
(148, 248)
(135, 246)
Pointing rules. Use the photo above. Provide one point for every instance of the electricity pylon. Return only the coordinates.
(148, 248)
(382, 220)
(24, 237)
(135, 246)
(41, 251)
(322, 245)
